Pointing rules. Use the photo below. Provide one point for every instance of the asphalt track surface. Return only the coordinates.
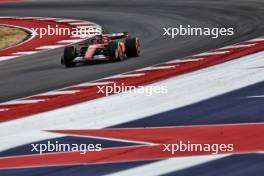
(42, 72)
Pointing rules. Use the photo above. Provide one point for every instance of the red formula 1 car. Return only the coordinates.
(116, 46)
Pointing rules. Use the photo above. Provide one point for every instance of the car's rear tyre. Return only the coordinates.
(115, 51)
(68, 56)
(132, 47)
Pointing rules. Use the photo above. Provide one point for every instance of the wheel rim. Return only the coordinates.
(116, 54)
(137, 46)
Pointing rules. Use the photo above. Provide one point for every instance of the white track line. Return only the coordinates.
(93, 84)
(3, 58)
(6, 17)
(212, 53)
(125, 76)
(167, 166)
(15, 102)
(84, 27)
(70, 41)
(53, 19)
(79, 36)
(50, 47)
(67, 20)
(157, 68)
(61, 92)
(24, 18)
(81, 23)
(239, 46)
(256, 40)
(25, 53)
(3, 109)
(184, 60)
(256, 96)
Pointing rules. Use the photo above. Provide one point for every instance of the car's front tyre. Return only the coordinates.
(68, 56)
(132, 47)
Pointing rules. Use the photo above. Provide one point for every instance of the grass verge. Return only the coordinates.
(10, 36)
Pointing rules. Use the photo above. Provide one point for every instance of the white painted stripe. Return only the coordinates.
(50, 47)
(4, 109)
(239, 46)
(76, 37)
(3, 58)
(190, 88)
(82, 22)
(93, 84)
(80, 33)
(184, 60)
(167, 166)
(256, 40)
(212, 53)
(256, 96)
(25, 18)
(61, 92)
(47, 19)
(71, 41)
(86, 27)
(157, 68)
(82, 36)
(25, 52)
(15, 102)
(67, 20)
(126, 76)
(7, 17)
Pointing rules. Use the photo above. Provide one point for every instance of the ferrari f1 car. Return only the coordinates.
(116, 46)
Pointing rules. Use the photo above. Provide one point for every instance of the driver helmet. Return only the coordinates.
(98, 39)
